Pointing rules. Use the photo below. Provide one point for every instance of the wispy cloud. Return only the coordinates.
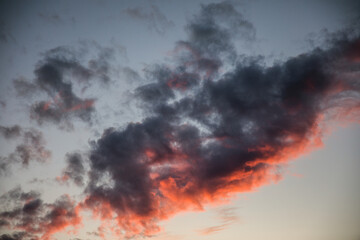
(30, 148)
(152, 17)
(53, 18)
(226, 216)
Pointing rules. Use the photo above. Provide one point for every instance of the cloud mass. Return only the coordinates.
(210, 135)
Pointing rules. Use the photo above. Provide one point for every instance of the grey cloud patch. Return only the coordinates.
(16, 195)
(26, 211)
(18, 236)
(3, 104)
(51, 18)
(4, 223)
(154, 19)
(211, 31)
(130, 74)
(209, 45)
(75, 169)
(5, 33)
(31, 148)
(55, 76)
(25, 88)
(10, 132)
(156, 91)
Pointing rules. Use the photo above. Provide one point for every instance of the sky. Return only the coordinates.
(179, 120)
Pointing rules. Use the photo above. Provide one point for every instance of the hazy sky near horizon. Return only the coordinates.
(179, 120)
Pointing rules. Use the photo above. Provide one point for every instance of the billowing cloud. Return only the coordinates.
(209, 135)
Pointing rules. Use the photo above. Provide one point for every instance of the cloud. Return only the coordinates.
(211, 31)
(10, 132)
(31, 148)
(38, 220)
(5, 33)
(2, 104)
(51, 18)
(154, 19)
(55, 76)
(130, 74)
(50, 78)
(25, 88)
(17, 236)
(209, 135)
(226, 217)
(74, 170)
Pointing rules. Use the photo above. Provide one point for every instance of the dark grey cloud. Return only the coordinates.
(27, 212)
(211, 31)
(10, 132)
(55, 76)
(18, 236)
(4, 223)
(16, 195)
(75, 169)
(50, 78)
(208, 135)
(154, 19)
